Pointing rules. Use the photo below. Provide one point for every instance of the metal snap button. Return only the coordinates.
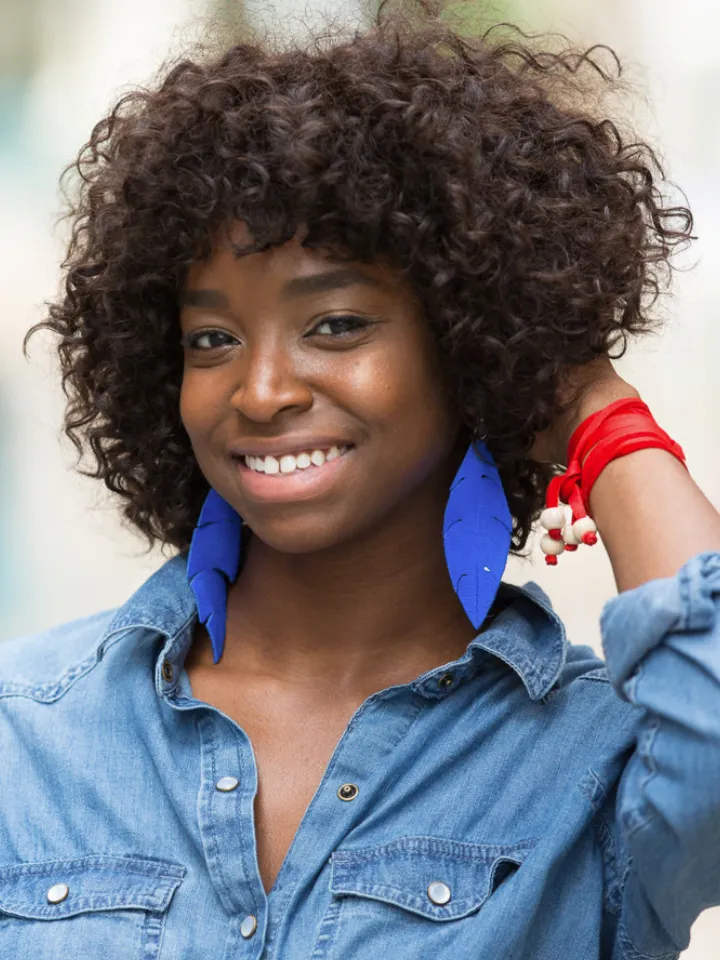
(248, 926)
(167, 671)
(348, 791)
(227, 784)
(446, 680)
(58, 893)
(439, 893)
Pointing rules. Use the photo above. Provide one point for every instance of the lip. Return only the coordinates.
(294, 487)
(286, 445)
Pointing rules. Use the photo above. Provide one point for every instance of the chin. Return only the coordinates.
(298, 537)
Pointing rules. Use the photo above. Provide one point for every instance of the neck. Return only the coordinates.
(378, 610)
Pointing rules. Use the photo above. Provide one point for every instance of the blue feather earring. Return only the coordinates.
(476, 534)
(213, 563)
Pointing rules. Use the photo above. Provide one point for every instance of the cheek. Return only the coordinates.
(398, 386)
(406, 405)
(198, 406)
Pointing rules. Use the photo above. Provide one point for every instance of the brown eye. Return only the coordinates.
(339, 326)
(202, 340)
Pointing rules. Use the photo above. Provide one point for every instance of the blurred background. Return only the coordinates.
(63, 62)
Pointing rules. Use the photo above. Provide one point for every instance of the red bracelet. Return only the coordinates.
(613, 432)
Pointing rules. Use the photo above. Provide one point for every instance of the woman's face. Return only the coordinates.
(290, 357)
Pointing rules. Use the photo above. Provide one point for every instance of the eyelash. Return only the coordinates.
(357, 324)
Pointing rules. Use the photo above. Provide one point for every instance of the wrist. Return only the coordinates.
(599, 397)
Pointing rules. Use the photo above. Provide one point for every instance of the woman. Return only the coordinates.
(332, 317)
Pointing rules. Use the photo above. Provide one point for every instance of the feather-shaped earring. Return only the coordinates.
(213, 563)
(476, 532)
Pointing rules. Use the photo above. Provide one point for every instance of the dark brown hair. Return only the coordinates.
(534, 234)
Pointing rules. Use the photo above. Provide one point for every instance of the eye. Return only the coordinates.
(342, 325)
(202, 339)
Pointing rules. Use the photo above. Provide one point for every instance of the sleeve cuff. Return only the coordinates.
(636, 621)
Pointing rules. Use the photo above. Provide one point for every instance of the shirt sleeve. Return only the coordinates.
(662, 649)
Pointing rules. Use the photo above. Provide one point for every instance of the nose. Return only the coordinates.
(270, 384)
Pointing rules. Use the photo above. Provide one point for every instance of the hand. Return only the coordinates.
(583, 391)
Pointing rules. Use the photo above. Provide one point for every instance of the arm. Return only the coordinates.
(661, 638)
(651, 515)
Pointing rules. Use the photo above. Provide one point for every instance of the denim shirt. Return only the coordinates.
(524, 802)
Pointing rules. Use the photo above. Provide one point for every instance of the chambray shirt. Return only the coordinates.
(524, 801)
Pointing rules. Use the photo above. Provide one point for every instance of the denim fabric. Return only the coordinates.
(570, 806)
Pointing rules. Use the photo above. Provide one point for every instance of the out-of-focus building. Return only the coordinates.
(62, 65)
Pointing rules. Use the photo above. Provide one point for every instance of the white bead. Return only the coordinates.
(553, 547)
(582, 526)
(569, 536)
(553, 518)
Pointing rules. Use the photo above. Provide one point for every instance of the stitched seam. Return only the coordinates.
(407, 849)
(50, 692)
(631, 953)
(378, 891)
(596, 677)
(150, 868)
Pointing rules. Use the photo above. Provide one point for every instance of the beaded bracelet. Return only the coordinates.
(615, 431)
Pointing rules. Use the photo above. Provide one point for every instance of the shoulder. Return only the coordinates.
(580, 660)
(578, 673)
(44, 666)
(40, 665)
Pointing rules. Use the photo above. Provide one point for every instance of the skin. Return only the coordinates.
(366, 599)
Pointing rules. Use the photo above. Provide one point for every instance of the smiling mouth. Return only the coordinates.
(289, 464)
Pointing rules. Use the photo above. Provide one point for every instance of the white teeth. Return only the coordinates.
(289, 464)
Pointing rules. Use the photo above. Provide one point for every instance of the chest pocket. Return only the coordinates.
(98, 906)
(416, 896)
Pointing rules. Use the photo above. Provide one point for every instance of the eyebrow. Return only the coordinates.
(297, 287)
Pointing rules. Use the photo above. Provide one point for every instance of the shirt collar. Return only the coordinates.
(522, 630)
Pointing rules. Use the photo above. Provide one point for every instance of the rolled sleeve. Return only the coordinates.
(662, 650)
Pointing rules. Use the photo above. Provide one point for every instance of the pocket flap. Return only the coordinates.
(93, 883)
(401, 873)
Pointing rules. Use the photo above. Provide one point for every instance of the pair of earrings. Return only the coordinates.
(476, 536)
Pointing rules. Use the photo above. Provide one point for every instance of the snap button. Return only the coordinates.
(58, 893)
(167, 671)
(248, 926)
(348, 791)
(446, 680)
(439, 893)
(227, 784)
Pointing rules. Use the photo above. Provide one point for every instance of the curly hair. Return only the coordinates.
(535, 235)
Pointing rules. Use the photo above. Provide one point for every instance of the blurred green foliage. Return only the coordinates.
(469, 16)
(472, 17)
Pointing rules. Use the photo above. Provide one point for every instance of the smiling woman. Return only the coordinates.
(332, 317)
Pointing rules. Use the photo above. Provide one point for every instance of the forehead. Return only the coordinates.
(288, 269)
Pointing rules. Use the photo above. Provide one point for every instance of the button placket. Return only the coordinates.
(225, 815)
